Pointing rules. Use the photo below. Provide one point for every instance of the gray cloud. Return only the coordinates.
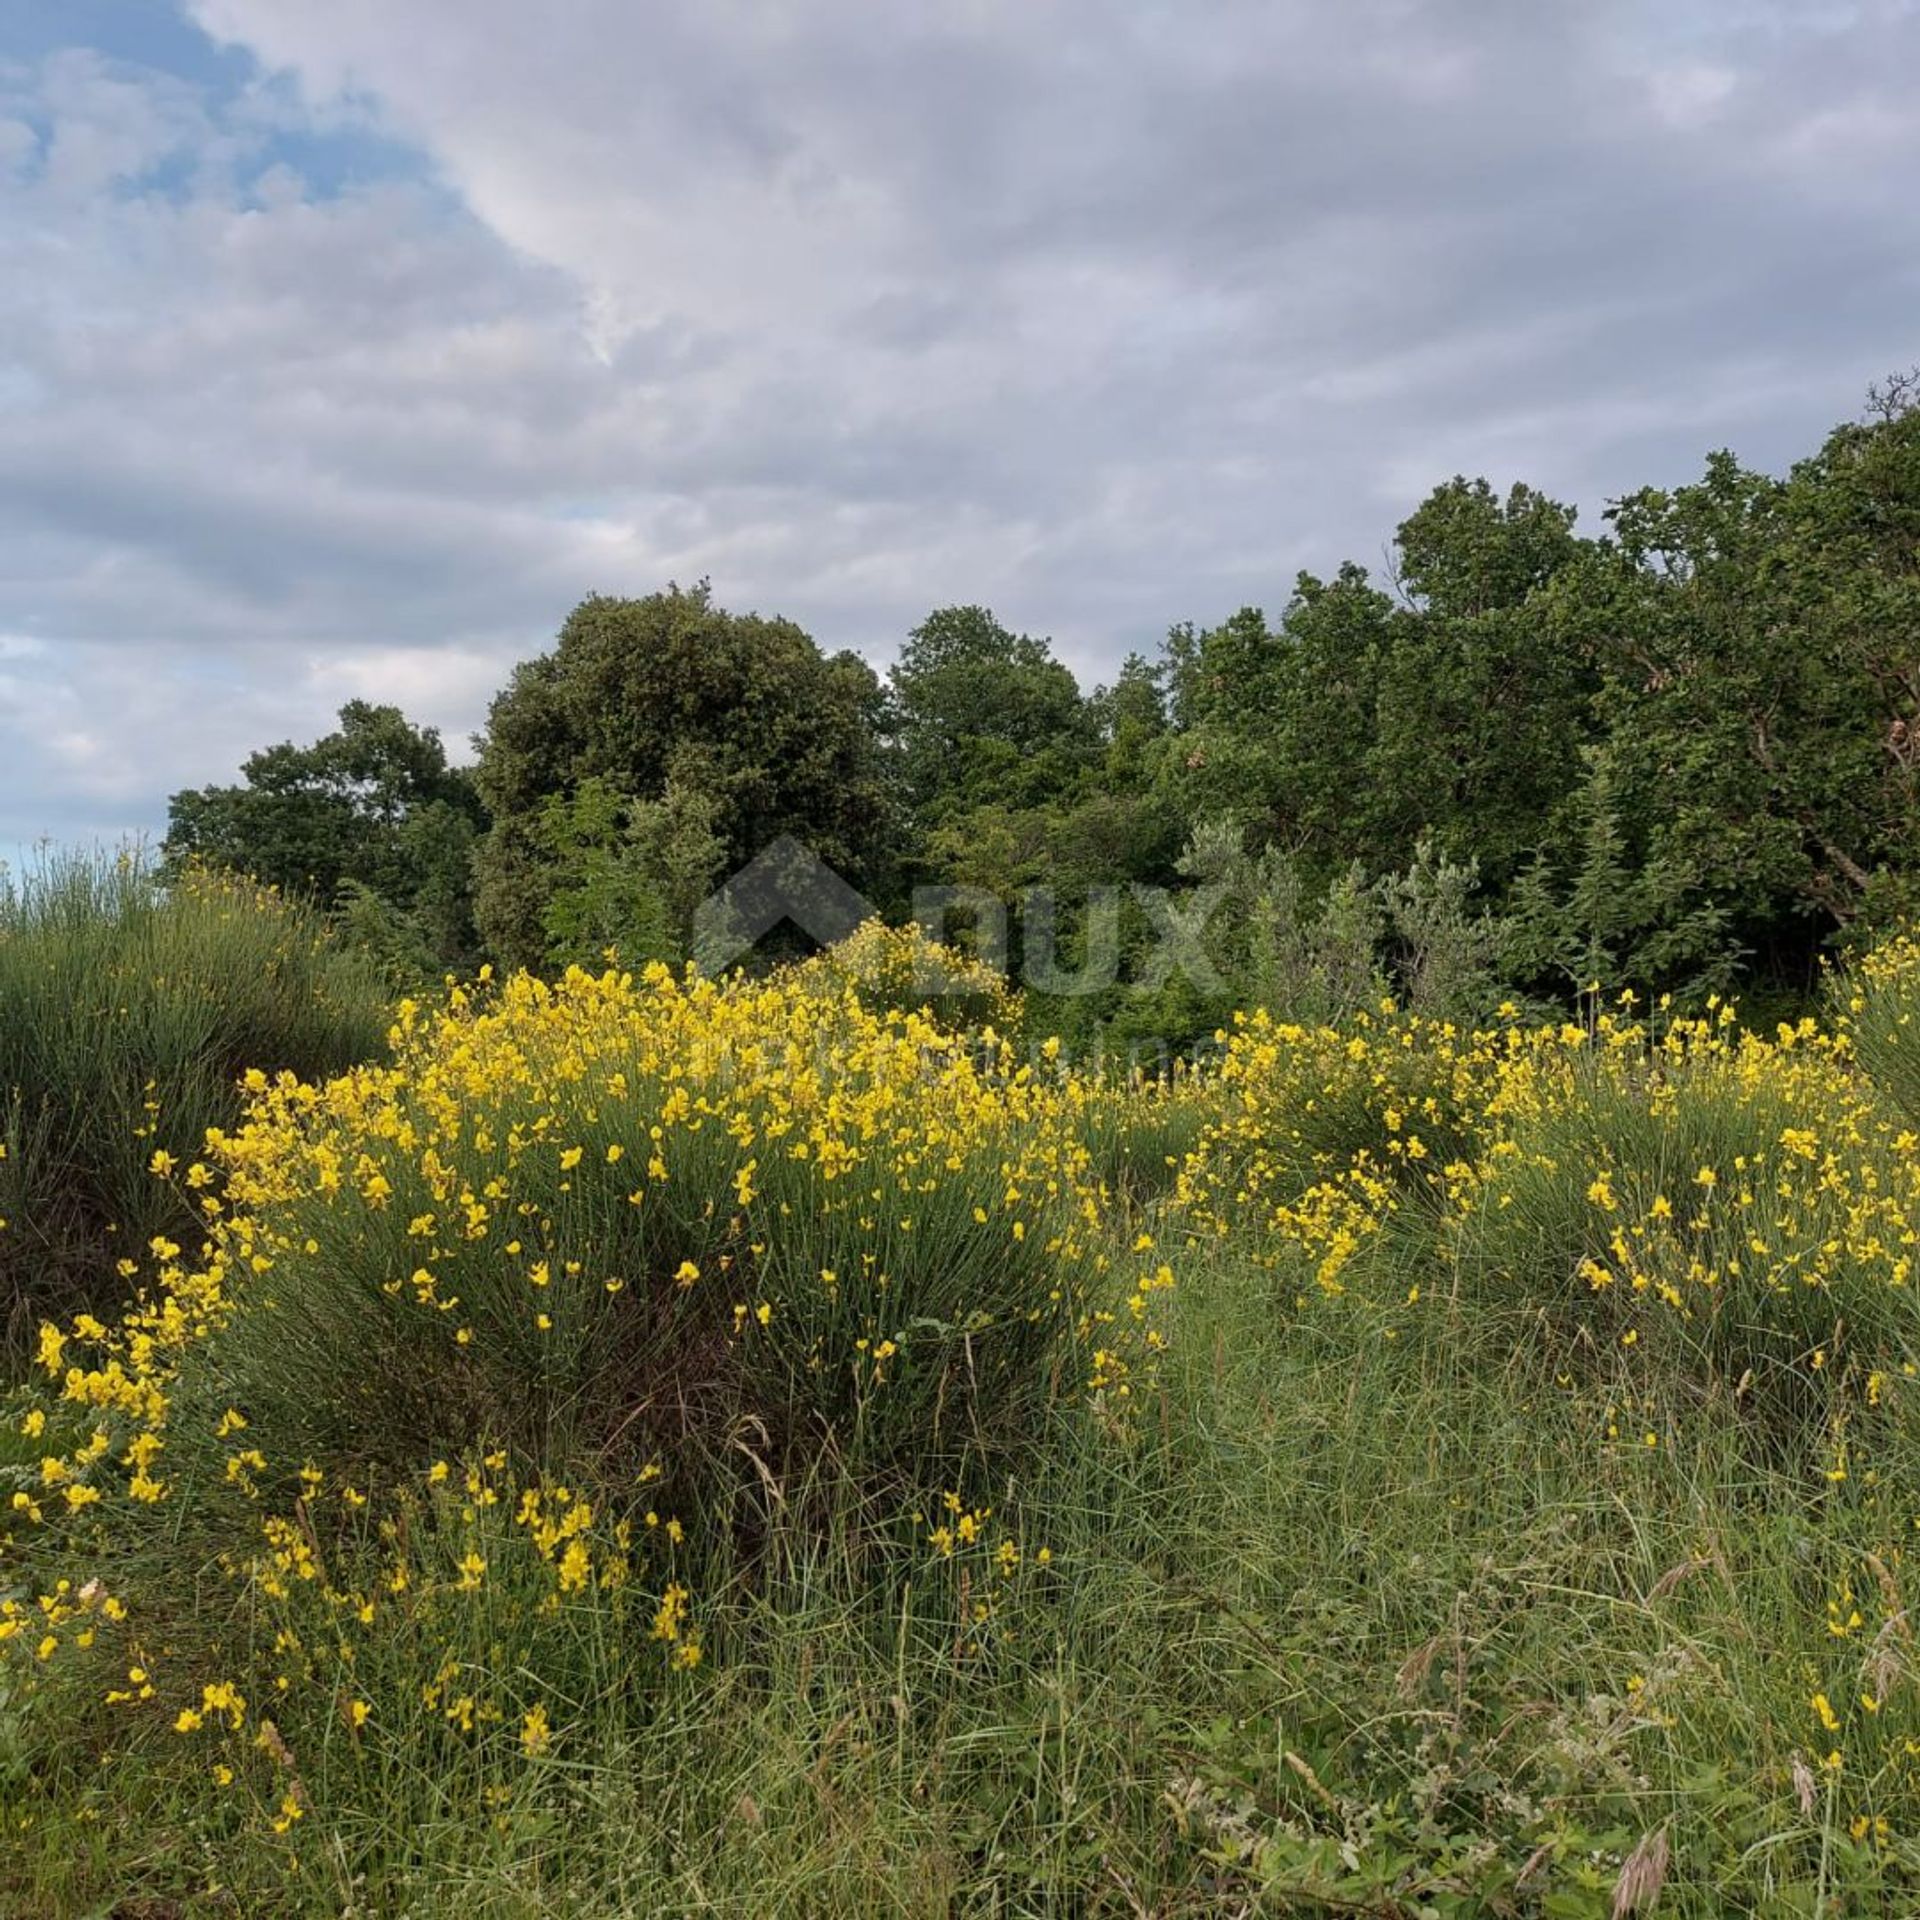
(1109, 315)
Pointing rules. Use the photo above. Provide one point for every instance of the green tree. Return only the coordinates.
(1128, 823)
(370, 812)
(1361, 726)
(1592, 910)
(985, 715)
(627, 874)
(1131, 714)
(673, 690)
(1369, 723)
(1758, 647)
(1482, 710)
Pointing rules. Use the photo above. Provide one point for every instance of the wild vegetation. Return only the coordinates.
(497, 1420)
(1680, 754)
(128, 1014)
(652, 1444)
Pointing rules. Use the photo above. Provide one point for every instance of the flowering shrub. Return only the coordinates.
(1738, 1204)
(900, 970)
(609, 1215)
(1739, 1209)
(1308, 1124)
(1878, 1004)
(128, 1012)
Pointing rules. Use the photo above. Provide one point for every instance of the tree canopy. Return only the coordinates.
(1679, 751)
(371, 811)
(673, 691)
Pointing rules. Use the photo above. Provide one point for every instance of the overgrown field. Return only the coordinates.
(647, 1446)
(128, 1016)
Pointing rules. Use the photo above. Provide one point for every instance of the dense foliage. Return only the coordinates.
(739, 721)
(1681, 753)
(128, 1012)
(665, 1445)
(369, 820)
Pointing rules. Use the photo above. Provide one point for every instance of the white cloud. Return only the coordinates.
(1692, 93)
(1106, 314)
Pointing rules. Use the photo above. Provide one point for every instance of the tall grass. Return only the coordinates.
(1351, 1626)
(1877, 1004)
(1382, 1573)
(128, 1013)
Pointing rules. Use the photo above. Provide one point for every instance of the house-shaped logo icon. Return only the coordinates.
(783, 882)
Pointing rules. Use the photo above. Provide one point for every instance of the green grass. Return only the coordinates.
(1363, 1606)
(128, 1011)
(1352, 1624)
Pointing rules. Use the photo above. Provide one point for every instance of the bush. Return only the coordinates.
(128, 1012)
(1140, 1129)
(1878, 1008)
(1693, 1203)
(1730, 1208)
(612, 1223)
(1389, 1097)
(900, 970)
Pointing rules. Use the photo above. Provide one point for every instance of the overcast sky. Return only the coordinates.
(344, 346)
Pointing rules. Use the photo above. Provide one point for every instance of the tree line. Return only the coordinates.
(1681, 754)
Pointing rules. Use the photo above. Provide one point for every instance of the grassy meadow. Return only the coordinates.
(632, 1445)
